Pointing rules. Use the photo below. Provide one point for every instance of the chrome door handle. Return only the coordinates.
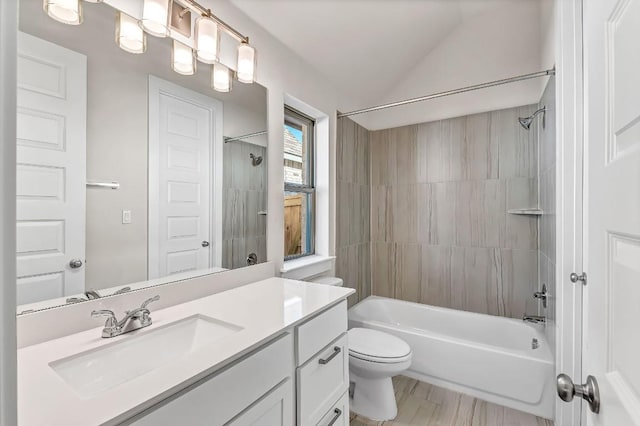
(205, 244)
(589, 391)
(336, 417)
(75, 263)
(575, 278)
(336, 351)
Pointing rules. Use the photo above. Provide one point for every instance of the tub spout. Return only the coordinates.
(535, 319)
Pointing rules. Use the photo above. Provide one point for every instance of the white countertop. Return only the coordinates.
(264, 309)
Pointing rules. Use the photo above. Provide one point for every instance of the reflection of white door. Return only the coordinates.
(51, 151)
(612, 198)
(183, 134)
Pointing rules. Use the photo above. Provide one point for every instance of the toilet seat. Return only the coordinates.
(375, 346)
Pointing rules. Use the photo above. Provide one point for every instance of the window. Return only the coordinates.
(299, 190)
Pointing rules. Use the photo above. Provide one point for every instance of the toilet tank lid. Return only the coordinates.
(328, 281)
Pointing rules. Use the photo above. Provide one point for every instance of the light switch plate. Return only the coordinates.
(126, 217)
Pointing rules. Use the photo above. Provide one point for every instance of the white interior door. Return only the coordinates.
(182, 168)
(51, 170)
(612, 221)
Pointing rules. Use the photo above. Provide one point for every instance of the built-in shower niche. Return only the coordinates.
(244, 227)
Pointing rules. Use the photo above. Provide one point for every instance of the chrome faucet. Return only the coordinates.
(133, 320)
(535, 319)
(93, 294)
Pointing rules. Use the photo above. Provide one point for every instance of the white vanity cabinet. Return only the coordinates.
(221, 397)
(322, 373)
(300, 378)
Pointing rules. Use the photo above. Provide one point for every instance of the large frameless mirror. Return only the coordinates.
(130, 173)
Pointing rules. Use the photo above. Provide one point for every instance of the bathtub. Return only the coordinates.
(484, 356)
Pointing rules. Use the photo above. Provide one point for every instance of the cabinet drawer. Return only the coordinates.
(338, 415)
(318, 332)
(218, 398)
(322, 380)
(273, 409)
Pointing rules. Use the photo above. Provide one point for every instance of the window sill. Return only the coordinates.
(305, 267)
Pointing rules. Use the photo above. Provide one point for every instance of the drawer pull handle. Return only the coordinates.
(336, 351)
(336, 417)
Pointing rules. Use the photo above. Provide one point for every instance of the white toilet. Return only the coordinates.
(374, 358)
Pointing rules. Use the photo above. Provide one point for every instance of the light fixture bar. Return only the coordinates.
(207, 12)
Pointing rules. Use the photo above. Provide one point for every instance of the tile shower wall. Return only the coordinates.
(440, 232)
(244, 231)
(547, 226)
(353, 200)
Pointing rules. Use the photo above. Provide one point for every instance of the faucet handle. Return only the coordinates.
(112, 321)
(153, 299)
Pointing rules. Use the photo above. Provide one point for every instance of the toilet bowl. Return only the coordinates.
(374, 358)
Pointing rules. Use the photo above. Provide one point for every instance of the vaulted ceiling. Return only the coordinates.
(377, 51)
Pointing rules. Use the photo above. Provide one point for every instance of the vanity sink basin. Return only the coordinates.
(132, 355)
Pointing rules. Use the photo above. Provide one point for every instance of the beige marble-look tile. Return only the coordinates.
(480, 150)
(404, 141)
(480, 213)
(383, 269)
(404, 213)
(431, 153)
(442, 223)
(381, 213)
(517, 147)
(362, 156)
(476, 282)
(521, 230)
(383, 159)
(453, 138)
(435, 282)
(520, 278)
(408, 259)
(420, 403)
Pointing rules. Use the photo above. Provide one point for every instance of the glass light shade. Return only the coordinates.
(182, 59)
(65, 11)
(246, 70)
(221, 78)
(155, 17)
(207, 40)
(129, 36)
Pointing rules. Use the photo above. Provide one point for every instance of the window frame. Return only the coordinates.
(297, 118)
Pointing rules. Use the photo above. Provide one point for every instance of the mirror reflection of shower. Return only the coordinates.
(256, 160)
(525, 122)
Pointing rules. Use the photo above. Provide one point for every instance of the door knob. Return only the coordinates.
(589, 391)
(205, 244)
(75, 263)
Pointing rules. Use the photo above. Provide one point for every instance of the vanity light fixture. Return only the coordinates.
(182, 59)
(221, 78)
(207, 39)
(129, 35)
(172, 18)
(155, 17)
(246, 68)
(66, 11)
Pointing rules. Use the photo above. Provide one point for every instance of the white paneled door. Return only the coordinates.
(51, 157)
(182, 202)
(611, 350)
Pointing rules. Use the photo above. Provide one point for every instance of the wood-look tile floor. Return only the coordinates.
(420, 404)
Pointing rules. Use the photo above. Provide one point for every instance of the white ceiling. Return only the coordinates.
(376, 51)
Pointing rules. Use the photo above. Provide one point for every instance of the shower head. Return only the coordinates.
(525, 122)
(255, 160)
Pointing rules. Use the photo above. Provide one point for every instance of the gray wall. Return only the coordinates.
(440, 232)
(245, 192)
(547, 226)
(353, 188)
